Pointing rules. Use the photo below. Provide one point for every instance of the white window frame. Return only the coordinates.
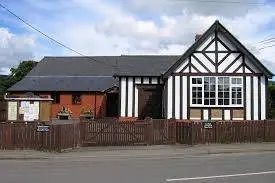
(216, 92)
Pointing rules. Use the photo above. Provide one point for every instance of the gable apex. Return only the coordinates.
(218, 29)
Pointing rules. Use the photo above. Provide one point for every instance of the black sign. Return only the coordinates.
(43, 128)
(207, 124)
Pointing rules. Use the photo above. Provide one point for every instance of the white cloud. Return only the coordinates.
(14, 48)
(95, 27)
(175, 7)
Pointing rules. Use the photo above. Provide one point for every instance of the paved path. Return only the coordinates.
(215, 168)
(141, 151)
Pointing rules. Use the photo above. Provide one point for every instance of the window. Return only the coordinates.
(209, 91)
(197, 90)
(236, 91)
(216, 91)
(56, 97)
(223, 91)
(76, 98)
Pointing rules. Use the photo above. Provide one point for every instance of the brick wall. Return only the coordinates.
(89, 100)
(95, 102)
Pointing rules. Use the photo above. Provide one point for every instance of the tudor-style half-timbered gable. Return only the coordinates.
(217, 78)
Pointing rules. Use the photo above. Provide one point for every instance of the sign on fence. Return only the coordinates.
(207, 124)
(43, 128)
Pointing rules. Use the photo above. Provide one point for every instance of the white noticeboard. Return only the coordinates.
(12, 110)
(30, 111)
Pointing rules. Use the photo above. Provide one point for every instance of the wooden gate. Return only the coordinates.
(163, 131)
(111, 132)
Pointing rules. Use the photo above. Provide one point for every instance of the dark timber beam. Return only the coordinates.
(217, 74)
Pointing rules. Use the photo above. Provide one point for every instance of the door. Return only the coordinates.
(150, 101)
(112, 105)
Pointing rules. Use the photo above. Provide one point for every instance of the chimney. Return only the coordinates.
(197, 37)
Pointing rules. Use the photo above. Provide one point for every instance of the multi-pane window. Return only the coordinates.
(209, 91)
(236, 91)
(223, 91)
(216, 91)
(197, 90)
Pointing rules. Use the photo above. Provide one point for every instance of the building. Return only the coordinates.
(217, 78)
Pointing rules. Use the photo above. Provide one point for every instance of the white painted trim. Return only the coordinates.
(145, 80)
(123, 96)
(226, 114)
(206, 42)
(202, 85)
(130, 97)
(255, 98)
(170, 98)
(237, 119)
(263, 98)
(235, 66)
(29, 99)
(216, 118)
(155, 80)
(183, 64)
(195, 118)
(211, 47)
(221, 47)
(248, 98)
(205, 61)
(184, 97)
(197, 65)
(205, 114)
(177, 97)
(137, 81)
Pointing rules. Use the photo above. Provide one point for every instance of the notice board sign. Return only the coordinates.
(30, 110)
(12, 110)
(43, 128)
(207, 124)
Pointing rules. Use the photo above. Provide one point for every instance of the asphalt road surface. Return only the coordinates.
(226, 168)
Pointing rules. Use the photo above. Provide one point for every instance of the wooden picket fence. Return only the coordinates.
(225, 132)
(112, 132)
(26, 136)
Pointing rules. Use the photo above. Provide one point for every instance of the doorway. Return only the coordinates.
(149, 101)
(112, 105)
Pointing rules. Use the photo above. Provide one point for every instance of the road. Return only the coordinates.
(229, 168)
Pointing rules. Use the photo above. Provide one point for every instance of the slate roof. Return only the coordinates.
(90, 73)
(153, 65)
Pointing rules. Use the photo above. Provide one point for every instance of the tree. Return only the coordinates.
(16, 74)
(271, 100)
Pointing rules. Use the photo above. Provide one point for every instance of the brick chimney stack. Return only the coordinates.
(197, 37)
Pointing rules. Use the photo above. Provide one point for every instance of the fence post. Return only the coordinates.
(215, 131)
(265, 127)
(149, 131)
(81, 132)
(12, 137)
(191, 131)
(114, 130)
(59, 138)
(172, 128)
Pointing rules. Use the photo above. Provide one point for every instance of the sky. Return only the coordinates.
(120, 27)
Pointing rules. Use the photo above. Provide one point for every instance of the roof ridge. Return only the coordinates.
(148, 55)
